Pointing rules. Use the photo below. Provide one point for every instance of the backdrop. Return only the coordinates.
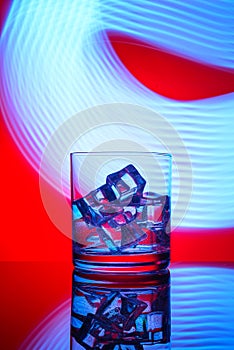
(60, 59)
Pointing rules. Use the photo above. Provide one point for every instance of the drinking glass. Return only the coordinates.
(121, 211)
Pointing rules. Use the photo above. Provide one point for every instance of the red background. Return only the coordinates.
(35, 256)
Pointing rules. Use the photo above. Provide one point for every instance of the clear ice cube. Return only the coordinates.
(132, 234)
(106, 237)
(125, 187)
(127, 184)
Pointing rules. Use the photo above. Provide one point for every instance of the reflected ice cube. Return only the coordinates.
(154, 321)
(132, 308)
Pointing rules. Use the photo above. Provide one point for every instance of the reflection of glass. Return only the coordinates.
(121, 211)
(112, 312)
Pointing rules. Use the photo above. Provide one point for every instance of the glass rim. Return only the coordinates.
(135, 153)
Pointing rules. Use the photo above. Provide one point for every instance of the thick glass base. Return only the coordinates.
(129, 263)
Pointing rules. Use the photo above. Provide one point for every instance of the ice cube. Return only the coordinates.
(151, 207)
(151, 198)
(122, 188)
(107, 239)
(103, 194)
(125, 217)
(132, 234)
(103, 199)
(154, 209)
(97, 207)
(90, 215)
(127, 185)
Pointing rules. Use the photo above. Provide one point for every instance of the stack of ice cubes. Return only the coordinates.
(123, 215)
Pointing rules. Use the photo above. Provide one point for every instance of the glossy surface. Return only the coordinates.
(202, 312)
(128, 313)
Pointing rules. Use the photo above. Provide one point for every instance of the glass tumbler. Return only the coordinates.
(121, 211)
